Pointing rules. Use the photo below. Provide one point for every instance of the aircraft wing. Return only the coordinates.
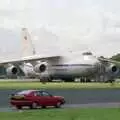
(28, 59)
(108, 60)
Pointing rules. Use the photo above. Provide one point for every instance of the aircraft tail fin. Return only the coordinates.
(27, 44)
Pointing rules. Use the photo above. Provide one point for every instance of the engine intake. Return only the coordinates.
(112, 68)
(12, 70)
(41, 67)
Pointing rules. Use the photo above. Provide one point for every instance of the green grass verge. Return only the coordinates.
(64, 114)
(38, 85)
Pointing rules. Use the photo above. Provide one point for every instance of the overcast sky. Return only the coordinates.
(77, 25)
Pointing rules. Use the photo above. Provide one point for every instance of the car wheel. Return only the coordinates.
(58, 105)
(43, 106)
(19, 107)
(34, 105)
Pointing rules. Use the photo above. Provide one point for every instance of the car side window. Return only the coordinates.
(45, 94)
(37, 93)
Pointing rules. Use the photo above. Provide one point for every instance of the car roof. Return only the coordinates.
(29, 91)
(25, 91)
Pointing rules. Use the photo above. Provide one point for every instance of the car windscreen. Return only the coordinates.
(23, 92)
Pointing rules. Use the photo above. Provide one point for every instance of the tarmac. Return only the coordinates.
(83, 98)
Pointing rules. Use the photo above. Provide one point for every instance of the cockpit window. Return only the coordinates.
(87, 53)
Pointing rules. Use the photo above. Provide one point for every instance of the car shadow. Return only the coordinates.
(39, 108)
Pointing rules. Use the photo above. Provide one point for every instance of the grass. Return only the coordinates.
(37, 85)
(64, 114)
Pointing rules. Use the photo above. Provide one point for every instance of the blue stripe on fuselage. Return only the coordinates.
(64, 65)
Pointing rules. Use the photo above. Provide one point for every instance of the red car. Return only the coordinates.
(35, 98)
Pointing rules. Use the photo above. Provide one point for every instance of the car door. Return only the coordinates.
(48, 98)
(38, 98)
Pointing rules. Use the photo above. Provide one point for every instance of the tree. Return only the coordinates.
(116, 57)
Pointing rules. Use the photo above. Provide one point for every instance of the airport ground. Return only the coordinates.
(87, 101)
(64, 114)
(35, 84)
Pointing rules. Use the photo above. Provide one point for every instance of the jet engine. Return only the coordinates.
(112, 69)
(12, 70)
(28, 69)
(41, 67)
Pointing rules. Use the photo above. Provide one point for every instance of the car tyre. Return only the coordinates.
(19, 107)
(43, 106)
(34, 105)
(58, 105)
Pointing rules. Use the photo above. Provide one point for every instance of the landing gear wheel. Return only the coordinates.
(111, 81)
(82, 80)
(34, 105)
(68, 80)
(58, 105)
(45, 80)
(88, 80)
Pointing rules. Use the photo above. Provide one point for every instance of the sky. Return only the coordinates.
(61, 25)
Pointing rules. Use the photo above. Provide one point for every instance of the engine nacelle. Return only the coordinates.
(28, 69)
(12, 70)
(41, 67)
(112, 69)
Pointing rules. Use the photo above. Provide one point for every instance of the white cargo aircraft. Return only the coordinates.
(67, 67)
